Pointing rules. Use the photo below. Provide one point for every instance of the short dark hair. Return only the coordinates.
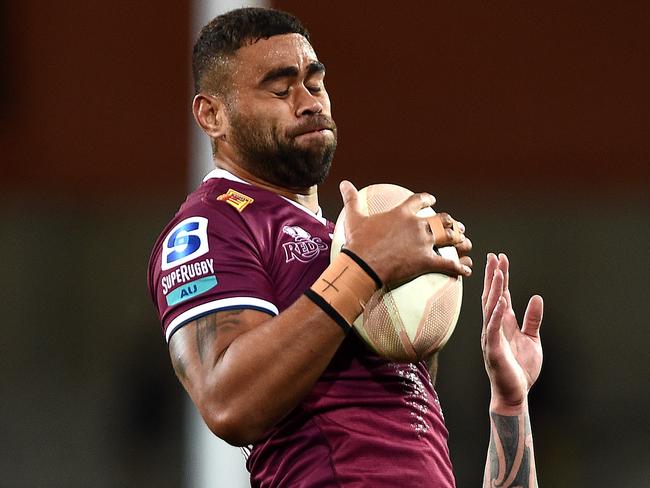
(224, 34)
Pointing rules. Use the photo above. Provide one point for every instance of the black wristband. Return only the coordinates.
(364, 266)
(328, 309)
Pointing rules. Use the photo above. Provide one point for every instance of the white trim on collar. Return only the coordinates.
(222, 173)
(318, 215)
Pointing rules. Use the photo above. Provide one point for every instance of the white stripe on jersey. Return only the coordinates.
(215, 306)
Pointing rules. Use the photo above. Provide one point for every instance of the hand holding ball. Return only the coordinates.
(414, 320)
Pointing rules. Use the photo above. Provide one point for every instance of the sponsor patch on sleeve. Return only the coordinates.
(191, 289)
(236, 199)
(186, 241)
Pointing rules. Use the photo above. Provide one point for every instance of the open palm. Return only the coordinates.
(512, 355)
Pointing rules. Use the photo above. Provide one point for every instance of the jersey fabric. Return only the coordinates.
(368, 422)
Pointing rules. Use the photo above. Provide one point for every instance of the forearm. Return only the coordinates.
(291, 351)
(244, 389)
(432, 366)
(511, 457)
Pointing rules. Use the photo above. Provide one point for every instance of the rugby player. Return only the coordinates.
(264, 353)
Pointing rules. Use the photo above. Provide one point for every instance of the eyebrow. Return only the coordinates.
(291, 71)
(315, 67)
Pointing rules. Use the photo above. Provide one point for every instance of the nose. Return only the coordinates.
(307, 103)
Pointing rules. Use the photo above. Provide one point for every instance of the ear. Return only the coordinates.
(209, 112)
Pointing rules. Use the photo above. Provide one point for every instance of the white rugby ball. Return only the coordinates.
(410, 322)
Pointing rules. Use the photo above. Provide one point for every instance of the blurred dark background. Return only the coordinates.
(528, 122)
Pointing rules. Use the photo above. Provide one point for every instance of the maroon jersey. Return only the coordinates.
(368, 422)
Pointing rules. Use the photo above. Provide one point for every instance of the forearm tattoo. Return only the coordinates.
(511, 459)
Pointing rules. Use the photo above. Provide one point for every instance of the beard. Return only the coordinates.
(276, 157)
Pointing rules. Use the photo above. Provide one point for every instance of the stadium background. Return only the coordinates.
(528, 122)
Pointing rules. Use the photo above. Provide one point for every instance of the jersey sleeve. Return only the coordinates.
(207, 262)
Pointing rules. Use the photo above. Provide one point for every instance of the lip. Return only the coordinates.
(314, 135)
(315, 125)
(318, 130)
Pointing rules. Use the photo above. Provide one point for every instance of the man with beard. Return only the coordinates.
(265, 353)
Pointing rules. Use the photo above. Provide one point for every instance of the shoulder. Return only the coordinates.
(220, 209)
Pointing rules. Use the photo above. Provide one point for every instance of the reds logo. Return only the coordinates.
(304, 247)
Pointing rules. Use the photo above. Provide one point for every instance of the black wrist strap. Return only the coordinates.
(328, 309)
(364, 266)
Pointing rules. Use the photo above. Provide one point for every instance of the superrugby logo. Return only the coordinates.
(304, 247)
(185, 273)
(185, 242)
(236, 199)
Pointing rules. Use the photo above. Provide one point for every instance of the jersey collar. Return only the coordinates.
(222, 173)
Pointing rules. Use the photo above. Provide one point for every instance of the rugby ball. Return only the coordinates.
(414, 320)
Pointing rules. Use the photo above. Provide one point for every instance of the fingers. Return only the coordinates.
(466, 261)
(450, 267)
(493, 328)
(350, 197)
(464, 248)
(446, 230)
(490, 266)
(492, 263)
(494, 324)
(504, 266)
(418, 201)
(351, 205)
(494, 294)
(452, 233)
(533, 316)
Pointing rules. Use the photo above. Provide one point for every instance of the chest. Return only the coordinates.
(301, 251)
(295, 249)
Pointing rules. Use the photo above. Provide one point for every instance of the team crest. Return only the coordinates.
(304, 247)
(236, 199)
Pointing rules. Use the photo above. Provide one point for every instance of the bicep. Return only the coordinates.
(197, 347)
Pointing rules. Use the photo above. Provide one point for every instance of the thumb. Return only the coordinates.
(533, 316)
(350, 201)
(350, 194)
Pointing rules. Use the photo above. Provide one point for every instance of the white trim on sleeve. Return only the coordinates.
(205, 308)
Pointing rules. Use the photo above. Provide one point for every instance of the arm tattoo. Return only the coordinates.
(511, 460)
(205, 333)
(206, 329)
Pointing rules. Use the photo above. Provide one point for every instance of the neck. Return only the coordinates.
(307, 197)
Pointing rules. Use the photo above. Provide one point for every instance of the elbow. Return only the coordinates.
(231, 424)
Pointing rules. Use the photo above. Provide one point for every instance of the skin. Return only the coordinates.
(513, 360)
(241, 395)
